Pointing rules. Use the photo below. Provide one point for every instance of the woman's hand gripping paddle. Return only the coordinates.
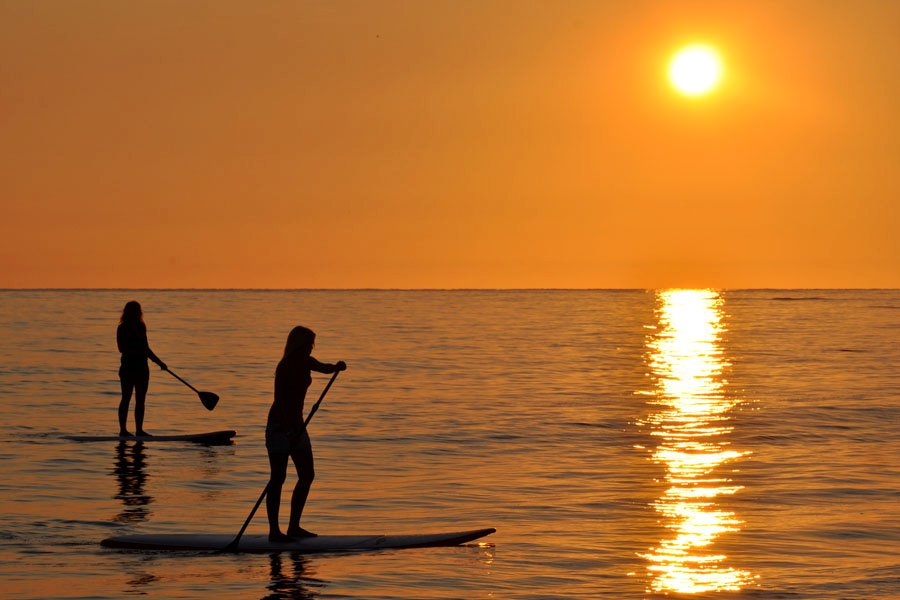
(208, 399)
(233, 545)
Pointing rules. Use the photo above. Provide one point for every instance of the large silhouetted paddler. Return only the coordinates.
(134, 372)
(286, 434)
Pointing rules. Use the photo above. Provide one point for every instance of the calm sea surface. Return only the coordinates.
(625, 444)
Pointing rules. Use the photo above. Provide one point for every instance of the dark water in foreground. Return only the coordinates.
(625, 444)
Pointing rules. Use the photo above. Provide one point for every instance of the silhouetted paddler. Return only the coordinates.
(286, 434)
(134, 373)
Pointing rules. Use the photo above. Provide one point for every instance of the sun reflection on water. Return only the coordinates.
(690, 424)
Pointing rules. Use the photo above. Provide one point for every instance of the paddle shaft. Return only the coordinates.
(208, 399)
(182, 381)
(315, 406)
(232, 546)
(234, 543)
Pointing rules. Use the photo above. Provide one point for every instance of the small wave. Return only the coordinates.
(504, 437)
(601, 425)
(767, 437)
(796, 298)
(854, 533)
(93, 523)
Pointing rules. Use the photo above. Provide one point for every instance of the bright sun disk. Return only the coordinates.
(695, 70)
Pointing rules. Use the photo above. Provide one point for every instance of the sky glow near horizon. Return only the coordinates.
(447, 145)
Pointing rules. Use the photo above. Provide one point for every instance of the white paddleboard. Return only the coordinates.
(310, 545)
(204, 438)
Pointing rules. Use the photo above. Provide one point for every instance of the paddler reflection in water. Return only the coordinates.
(134, 374)
(286, 434)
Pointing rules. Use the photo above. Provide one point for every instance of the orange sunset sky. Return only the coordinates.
(447, 144)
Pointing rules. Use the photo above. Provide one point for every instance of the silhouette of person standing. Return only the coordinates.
(286, 434)
(134, 374)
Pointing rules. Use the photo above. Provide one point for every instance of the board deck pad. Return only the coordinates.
(311, 545)
(203, 438)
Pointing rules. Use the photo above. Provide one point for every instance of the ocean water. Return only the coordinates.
(625, 444)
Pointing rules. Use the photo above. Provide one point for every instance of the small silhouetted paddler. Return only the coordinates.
(286, 434)
(134, 373)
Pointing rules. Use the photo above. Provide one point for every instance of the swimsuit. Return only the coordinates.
(287, 441)
(133, 345)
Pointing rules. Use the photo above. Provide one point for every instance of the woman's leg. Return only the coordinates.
(127, 385)
(303, 461)
(140, 394)
(278, 468)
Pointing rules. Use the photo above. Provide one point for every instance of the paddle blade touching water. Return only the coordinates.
(208, 399)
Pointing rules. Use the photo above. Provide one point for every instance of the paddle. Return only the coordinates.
(233, 545)
(208, 399)
(315, 406)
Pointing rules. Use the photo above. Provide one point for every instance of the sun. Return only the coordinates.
(695, 70)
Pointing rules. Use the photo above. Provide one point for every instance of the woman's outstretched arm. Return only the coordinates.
(320, 367)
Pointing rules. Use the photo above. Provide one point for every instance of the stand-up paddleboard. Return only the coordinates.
(310, 545)
(203, 438)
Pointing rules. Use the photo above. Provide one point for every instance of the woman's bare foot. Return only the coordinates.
(125, 433)
(299, 532)
(277, 536)
(143, 433)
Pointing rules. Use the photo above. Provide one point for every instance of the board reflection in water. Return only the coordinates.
(689, 425)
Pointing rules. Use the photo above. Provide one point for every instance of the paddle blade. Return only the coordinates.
(208, 399)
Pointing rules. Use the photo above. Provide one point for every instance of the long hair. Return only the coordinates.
(299, 341)
(133, 315)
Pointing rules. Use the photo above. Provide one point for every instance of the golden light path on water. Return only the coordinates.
(690, 425)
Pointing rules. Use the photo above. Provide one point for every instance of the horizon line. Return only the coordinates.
(424, 289)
